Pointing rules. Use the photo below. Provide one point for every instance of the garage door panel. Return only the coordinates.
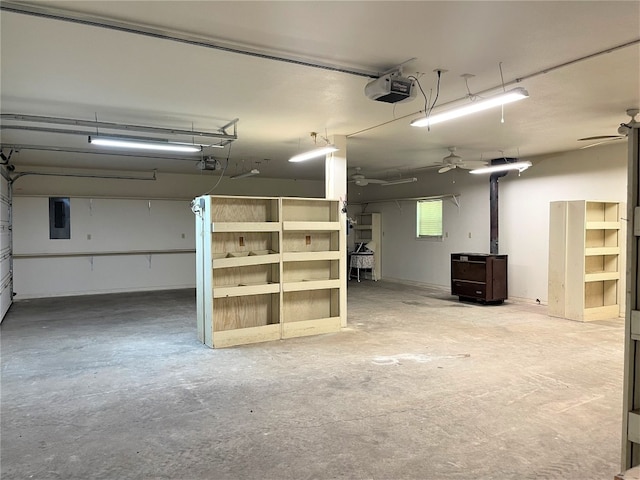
(6, 259)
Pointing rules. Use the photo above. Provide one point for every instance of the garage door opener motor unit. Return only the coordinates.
(391, 88)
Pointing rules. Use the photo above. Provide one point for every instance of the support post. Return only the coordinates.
(335, 179)
(494, 245)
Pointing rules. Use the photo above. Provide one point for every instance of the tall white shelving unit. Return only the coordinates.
(584, 260)
(268, 268)
(369, 229)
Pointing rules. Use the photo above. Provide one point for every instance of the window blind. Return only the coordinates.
(429, 221)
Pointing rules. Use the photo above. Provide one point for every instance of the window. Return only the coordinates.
(429, 219)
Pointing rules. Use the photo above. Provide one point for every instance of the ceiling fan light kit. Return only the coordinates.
(520, 166)
(503, 98)
(315, 153)
(156, 145)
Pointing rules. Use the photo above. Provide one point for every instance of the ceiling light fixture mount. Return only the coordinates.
(316, 152)
(502, 98)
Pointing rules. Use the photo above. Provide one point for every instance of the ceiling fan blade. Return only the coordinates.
(375, 180)
(602, 137)
(603, 141)
(399, 181)
(446, 169)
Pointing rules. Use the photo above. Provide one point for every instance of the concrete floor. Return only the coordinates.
(419, 386)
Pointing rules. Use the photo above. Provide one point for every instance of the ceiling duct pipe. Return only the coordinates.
(493, 204)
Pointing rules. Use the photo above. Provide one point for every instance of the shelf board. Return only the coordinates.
(592, 251)
(310, 327)
(307, 256)
(228, 262)
(222, 227)
(310, 285)
(602, 225)
(245, 289)
(317, 226)
(601, 313)
(241, 336)
(600, 276)
(363, 227)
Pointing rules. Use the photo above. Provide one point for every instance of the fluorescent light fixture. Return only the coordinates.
(250, 173)
(520, 166)
(318, 152)
(514, 95)
(400, 181)
(158, 145)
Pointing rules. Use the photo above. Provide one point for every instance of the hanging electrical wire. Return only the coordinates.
(224, 169)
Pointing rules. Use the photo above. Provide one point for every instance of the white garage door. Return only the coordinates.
(6, 269)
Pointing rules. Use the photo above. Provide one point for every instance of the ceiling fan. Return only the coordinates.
(453, 161)
(360, 180)
(623, 131)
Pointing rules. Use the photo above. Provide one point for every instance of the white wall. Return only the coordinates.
(145, 227)
(597, 173)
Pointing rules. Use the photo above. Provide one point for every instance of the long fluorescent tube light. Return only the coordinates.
(250, 173)
(164, 146)
(514, 95)
(318, 152)
(520, 166)
(400, 181)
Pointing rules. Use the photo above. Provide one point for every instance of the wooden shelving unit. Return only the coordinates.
(584, 260)
(275, 268)
(369, 229)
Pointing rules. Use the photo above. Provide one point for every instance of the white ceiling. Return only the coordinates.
(58, 68)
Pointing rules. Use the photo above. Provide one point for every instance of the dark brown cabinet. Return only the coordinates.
(479, 276)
